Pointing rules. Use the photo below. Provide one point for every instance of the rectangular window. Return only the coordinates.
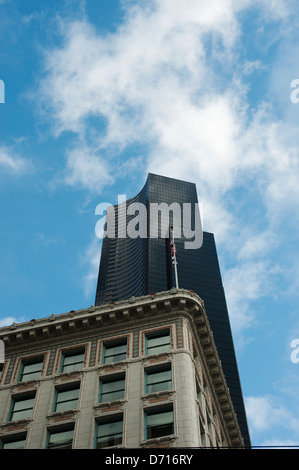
(31, 369)
(158, 379)
(16, 443)
(66, 399)
(112, 388)
(61, 439)
(72, 361)
(159, 422)
(109, 432)
(22, 407)
(158, 342)
(114, 352)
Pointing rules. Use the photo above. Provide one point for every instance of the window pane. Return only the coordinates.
(31, 371)
(74, 359)
(20, 444)
(156, 341)
(159, 380)
(154, 377)
(22, 409)
(157, 344)
(116, 352)
(21, 414)
(109, 434)
(21, 404)
(159, 349)
(112, 390)
(62, 439)
(157, 419)
(159, 424)
(67, 400)
(73, 362)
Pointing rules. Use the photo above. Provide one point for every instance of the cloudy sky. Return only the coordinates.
(98, 93)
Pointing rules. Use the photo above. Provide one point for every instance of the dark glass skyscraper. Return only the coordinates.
(139, 265)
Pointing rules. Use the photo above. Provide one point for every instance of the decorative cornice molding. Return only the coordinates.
(99, 317)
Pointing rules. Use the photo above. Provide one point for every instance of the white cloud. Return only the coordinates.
(6, 321)
(12, 162)
(265, 412)
(246, 283)
(251, 66)
(85, 169)
(258, 245)
(130, 79)
(277, 9)
(154, 81)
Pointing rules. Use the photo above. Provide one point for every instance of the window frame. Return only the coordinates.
(71, 353)
(13, 440)
(64, 389)
(155, 411)
(159, 369)
(119, 418)
(152, 350)
(17, 399)
(111, 344)
(30, 362)
(111, 379)
(60, 430)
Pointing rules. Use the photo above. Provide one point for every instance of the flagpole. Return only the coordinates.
(174, 259)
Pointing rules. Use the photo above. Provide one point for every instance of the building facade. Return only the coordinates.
(139, 373)
(137, 266)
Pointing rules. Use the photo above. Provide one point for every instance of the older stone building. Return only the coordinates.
(139, 373)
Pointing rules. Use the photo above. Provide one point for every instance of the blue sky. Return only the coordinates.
(98, 93)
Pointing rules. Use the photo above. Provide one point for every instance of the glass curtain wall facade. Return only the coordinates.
(142, 265)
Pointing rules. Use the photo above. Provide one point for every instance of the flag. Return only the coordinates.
(172, 251)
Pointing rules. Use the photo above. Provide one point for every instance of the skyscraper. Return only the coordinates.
(133, 266)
